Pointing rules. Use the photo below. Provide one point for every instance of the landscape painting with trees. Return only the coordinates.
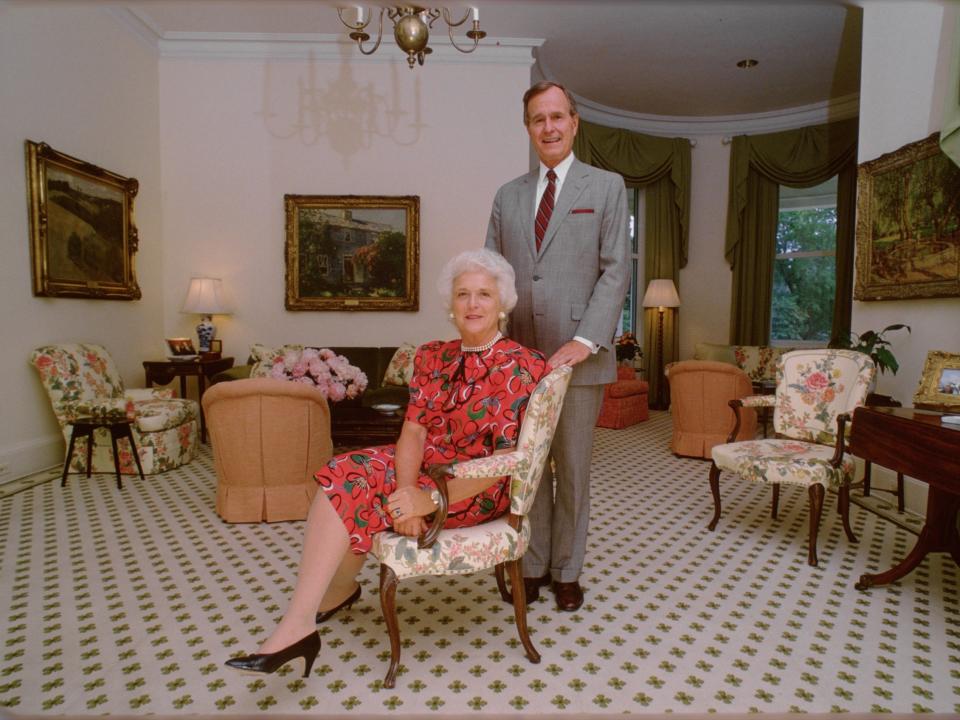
(352, 252)
(908, 224)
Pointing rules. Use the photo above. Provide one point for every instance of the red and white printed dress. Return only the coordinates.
(471, 403)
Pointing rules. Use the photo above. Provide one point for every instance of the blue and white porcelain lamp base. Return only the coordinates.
(206, 332)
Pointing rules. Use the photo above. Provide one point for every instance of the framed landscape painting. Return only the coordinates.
(82, 235)
(352, 252)
(908, 224)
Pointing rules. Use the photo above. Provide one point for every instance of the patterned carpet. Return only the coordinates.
(128, 602)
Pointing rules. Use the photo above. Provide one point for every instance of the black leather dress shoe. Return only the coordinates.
(325, 615)
(569, 595)
(532, 585)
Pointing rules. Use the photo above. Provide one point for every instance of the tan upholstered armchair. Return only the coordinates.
(269, 437)
(82, 380)
(700, 395)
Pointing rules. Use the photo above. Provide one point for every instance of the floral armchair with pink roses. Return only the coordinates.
(82, 381)
(817, 392)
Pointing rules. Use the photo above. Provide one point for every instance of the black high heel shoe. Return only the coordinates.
(307, 647)
(325, 615)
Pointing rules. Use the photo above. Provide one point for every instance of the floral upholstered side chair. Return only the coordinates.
(82, 380)
(817, 391)
(500, 543)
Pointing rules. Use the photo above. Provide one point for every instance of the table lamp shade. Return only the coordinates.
(661, 293)
(205, 297)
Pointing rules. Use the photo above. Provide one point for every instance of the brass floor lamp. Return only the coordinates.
(661, 294)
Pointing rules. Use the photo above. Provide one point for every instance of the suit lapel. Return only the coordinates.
(528, 196)
(573, 186)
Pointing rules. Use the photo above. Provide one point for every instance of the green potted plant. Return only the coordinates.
(875, 344)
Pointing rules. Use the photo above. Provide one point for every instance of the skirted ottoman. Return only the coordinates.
(624, 401)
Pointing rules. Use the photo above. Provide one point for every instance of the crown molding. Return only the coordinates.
(841, 108)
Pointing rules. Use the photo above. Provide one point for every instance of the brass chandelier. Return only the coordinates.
(411, 29)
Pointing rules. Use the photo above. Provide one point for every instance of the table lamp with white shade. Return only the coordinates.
(205, 297)
(661, 294)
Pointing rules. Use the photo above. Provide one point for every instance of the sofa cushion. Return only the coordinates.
(400, 368)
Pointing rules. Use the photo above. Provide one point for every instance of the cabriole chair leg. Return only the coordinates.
(715, 489)
(520, 607)
(816, 493)
(388, 606)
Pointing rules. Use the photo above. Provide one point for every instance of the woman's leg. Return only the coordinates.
(344, 581)
(325, 543)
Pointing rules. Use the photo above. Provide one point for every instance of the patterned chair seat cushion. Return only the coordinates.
(783, 460)
(157, 415)
(458, 551)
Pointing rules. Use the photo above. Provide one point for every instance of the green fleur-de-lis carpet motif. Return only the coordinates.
(128, 602)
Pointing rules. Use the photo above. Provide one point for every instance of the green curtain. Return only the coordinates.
(798, 158)
(662, 167)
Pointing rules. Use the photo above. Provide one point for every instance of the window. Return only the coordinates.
(805, 268)
(628, 318)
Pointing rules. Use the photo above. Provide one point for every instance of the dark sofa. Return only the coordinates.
(372, 360)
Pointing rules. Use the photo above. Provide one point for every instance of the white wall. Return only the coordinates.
(901, 100)
(706, 281)
(238, 134)
(78, 80)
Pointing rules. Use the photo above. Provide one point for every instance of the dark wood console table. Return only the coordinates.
(914, 442)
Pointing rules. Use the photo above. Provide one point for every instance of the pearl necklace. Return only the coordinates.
(484, 347)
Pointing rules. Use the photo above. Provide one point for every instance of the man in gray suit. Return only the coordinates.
(564, 229)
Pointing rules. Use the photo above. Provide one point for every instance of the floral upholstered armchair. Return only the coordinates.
(82, 381)
(500, 543)
(817, 391)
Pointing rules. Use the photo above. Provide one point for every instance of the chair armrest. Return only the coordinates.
(491, 466)
(756, 401)
(140, 394)
(842, 420)
(438, 473)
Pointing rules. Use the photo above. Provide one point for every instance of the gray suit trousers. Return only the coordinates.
(564, 492)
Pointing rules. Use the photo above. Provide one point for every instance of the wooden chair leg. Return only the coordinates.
(116, 457)
(900, 497)
(66, 463)
(715, 489)
(502, 584)
(520, 607)
(775, 507)
(843, 507)
(816, 493)
(128, 433)
(388, 606)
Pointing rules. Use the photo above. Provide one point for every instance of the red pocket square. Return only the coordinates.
(576, 211)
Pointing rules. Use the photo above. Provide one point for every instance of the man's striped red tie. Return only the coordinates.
(546, 207)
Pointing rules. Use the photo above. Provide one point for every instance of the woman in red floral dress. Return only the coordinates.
(467, 399)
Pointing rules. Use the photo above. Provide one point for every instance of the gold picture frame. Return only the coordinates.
(82, 235)
(939, 387)
(908, 219)
(352, 252)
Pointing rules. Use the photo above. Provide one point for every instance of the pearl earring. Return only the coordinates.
(502, 315)
(450, 315)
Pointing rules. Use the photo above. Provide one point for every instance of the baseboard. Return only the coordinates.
(29, 457)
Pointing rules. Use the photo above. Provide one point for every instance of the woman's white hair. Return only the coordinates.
(483, 260)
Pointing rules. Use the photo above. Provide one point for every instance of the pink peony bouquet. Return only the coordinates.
(331, 374)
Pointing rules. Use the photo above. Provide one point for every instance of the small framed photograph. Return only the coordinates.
(181, 347)
(940, 383)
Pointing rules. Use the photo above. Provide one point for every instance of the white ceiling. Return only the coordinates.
(648, 57)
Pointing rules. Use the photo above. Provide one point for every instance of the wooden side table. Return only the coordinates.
(162, 372)
(85, 427)
(356, 427)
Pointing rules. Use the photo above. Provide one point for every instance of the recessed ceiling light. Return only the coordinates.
(747, 63)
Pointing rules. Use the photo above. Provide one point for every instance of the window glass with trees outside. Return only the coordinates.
(804, 268)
